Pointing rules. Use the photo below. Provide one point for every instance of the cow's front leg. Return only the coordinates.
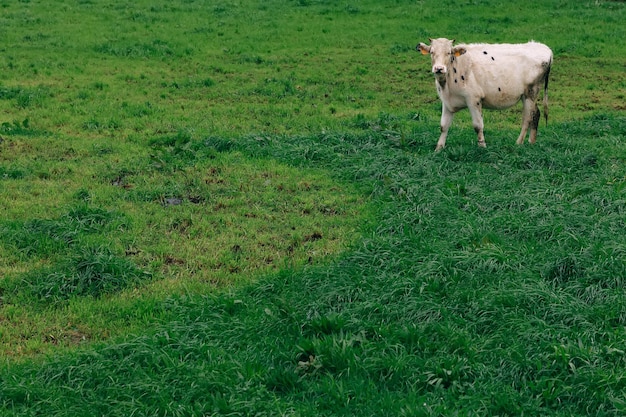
(476, 110)
(446, 121)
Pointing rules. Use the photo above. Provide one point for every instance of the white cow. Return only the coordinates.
(493, 76)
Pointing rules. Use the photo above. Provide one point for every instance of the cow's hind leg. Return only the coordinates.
(526, 117)
(446, 121)
(534, 124)
(530, 116)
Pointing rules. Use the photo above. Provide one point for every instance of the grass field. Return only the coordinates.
(234, 208)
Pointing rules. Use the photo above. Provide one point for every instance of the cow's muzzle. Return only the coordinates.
(439, 69)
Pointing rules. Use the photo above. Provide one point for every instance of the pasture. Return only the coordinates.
(234, 208)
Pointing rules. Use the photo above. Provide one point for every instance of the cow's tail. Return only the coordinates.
(545, 91)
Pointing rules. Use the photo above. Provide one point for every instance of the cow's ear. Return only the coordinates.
(458, 50)
(423, 48)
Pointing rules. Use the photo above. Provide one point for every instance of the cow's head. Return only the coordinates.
(442, 54)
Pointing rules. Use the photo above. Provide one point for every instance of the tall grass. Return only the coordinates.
(492, 283)
(180, 210)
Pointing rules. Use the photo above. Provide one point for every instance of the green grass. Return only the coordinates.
(235, 209)
(186, 219)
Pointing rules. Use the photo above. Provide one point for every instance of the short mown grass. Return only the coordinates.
(186, 218)
(235, 209)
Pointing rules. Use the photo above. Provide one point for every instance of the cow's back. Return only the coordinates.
(504, 71)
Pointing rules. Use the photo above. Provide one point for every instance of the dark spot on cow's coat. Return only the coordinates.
(485, 52)
(463, 77)
(499, 89)
(455, 80)
(493, 59)
(454, 69)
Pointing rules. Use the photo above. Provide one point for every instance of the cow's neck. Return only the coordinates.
(441, 80)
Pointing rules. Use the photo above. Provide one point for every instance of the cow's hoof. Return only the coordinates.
(482, 144)
(438, 149)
